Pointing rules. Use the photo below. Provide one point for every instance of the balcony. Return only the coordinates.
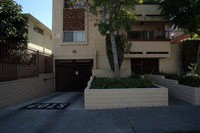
(158, 48)
(152, 9)
(148, 12)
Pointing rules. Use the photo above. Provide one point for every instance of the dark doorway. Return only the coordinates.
(73, 75)
(144, 66)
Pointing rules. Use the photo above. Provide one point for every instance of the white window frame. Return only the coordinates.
(75, 39)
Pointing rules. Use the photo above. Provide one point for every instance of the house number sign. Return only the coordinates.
(46, 106)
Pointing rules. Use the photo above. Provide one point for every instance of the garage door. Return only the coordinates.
(73, 75)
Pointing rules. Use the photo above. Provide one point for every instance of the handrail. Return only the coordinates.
(45, 79)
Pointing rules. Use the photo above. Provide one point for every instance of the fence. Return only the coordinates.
(17, 61)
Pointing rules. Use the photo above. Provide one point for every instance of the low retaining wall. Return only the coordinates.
(124, 98)
(185, 93)
(17, 91)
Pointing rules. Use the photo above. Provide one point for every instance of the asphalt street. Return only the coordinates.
(75, 119)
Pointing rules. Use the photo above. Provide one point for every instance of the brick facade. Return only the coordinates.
(73, 19)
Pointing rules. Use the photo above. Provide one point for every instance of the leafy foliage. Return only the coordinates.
(122, 46)
(13, 26)
(115, 15)
(192, 67)
(184, 14)
(130, 82)
(190, 80)
(189, 53)
(118, 14)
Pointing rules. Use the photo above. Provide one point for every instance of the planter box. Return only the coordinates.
(124, 98)
(183, 92)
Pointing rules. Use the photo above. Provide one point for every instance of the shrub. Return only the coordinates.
(130, 82)
(189, 53)
(190, 80)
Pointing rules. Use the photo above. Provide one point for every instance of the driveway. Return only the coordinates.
(74, 119)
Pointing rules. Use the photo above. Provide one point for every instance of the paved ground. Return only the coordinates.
(74, 119)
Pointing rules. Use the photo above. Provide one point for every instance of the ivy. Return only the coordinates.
(189, 53)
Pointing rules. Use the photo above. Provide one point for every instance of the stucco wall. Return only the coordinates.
(95, 41)
(13, 92)
(171, 64)
(42, 43)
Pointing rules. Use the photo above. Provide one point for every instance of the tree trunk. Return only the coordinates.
(198, 62)
(115, 56)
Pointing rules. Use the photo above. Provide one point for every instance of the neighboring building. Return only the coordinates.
(40, 36)
(172, 32)
(79, 49)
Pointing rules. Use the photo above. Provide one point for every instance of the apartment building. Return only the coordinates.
(40, 36)
(80, 50)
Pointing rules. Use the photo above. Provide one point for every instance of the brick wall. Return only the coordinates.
(73, 19)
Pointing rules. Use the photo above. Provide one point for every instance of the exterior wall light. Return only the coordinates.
(74, 51)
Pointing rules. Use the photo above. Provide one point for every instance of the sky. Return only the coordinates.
(40, 9)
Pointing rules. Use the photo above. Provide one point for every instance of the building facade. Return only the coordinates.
(80, 50)
(40, 36)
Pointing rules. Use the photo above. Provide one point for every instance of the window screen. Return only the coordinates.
(68, 36)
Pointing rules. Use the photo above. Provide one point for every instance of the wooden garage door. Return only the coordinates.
(144, 66)
(73, 75)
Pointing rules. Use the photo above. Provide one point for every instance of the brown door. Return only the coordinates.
(73, 75)
(144, 66)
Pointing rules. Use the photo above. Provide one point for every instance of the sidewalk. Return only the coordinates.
(74, 119)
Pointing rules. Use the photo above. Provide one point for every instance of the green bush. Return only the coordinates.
(189, 53)
(190, 80)
(130, 82)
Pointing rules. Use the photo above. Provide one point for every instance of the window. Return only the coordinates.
(37, 29)
(74, 36)
(141, 35)
(75, 4)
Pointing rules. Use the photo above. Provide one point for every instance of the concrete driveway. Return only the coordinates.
(74, 119)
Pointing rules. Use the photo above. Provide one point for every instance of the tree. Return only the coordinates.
(115, 14)
(184, 14)
(13, 26)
